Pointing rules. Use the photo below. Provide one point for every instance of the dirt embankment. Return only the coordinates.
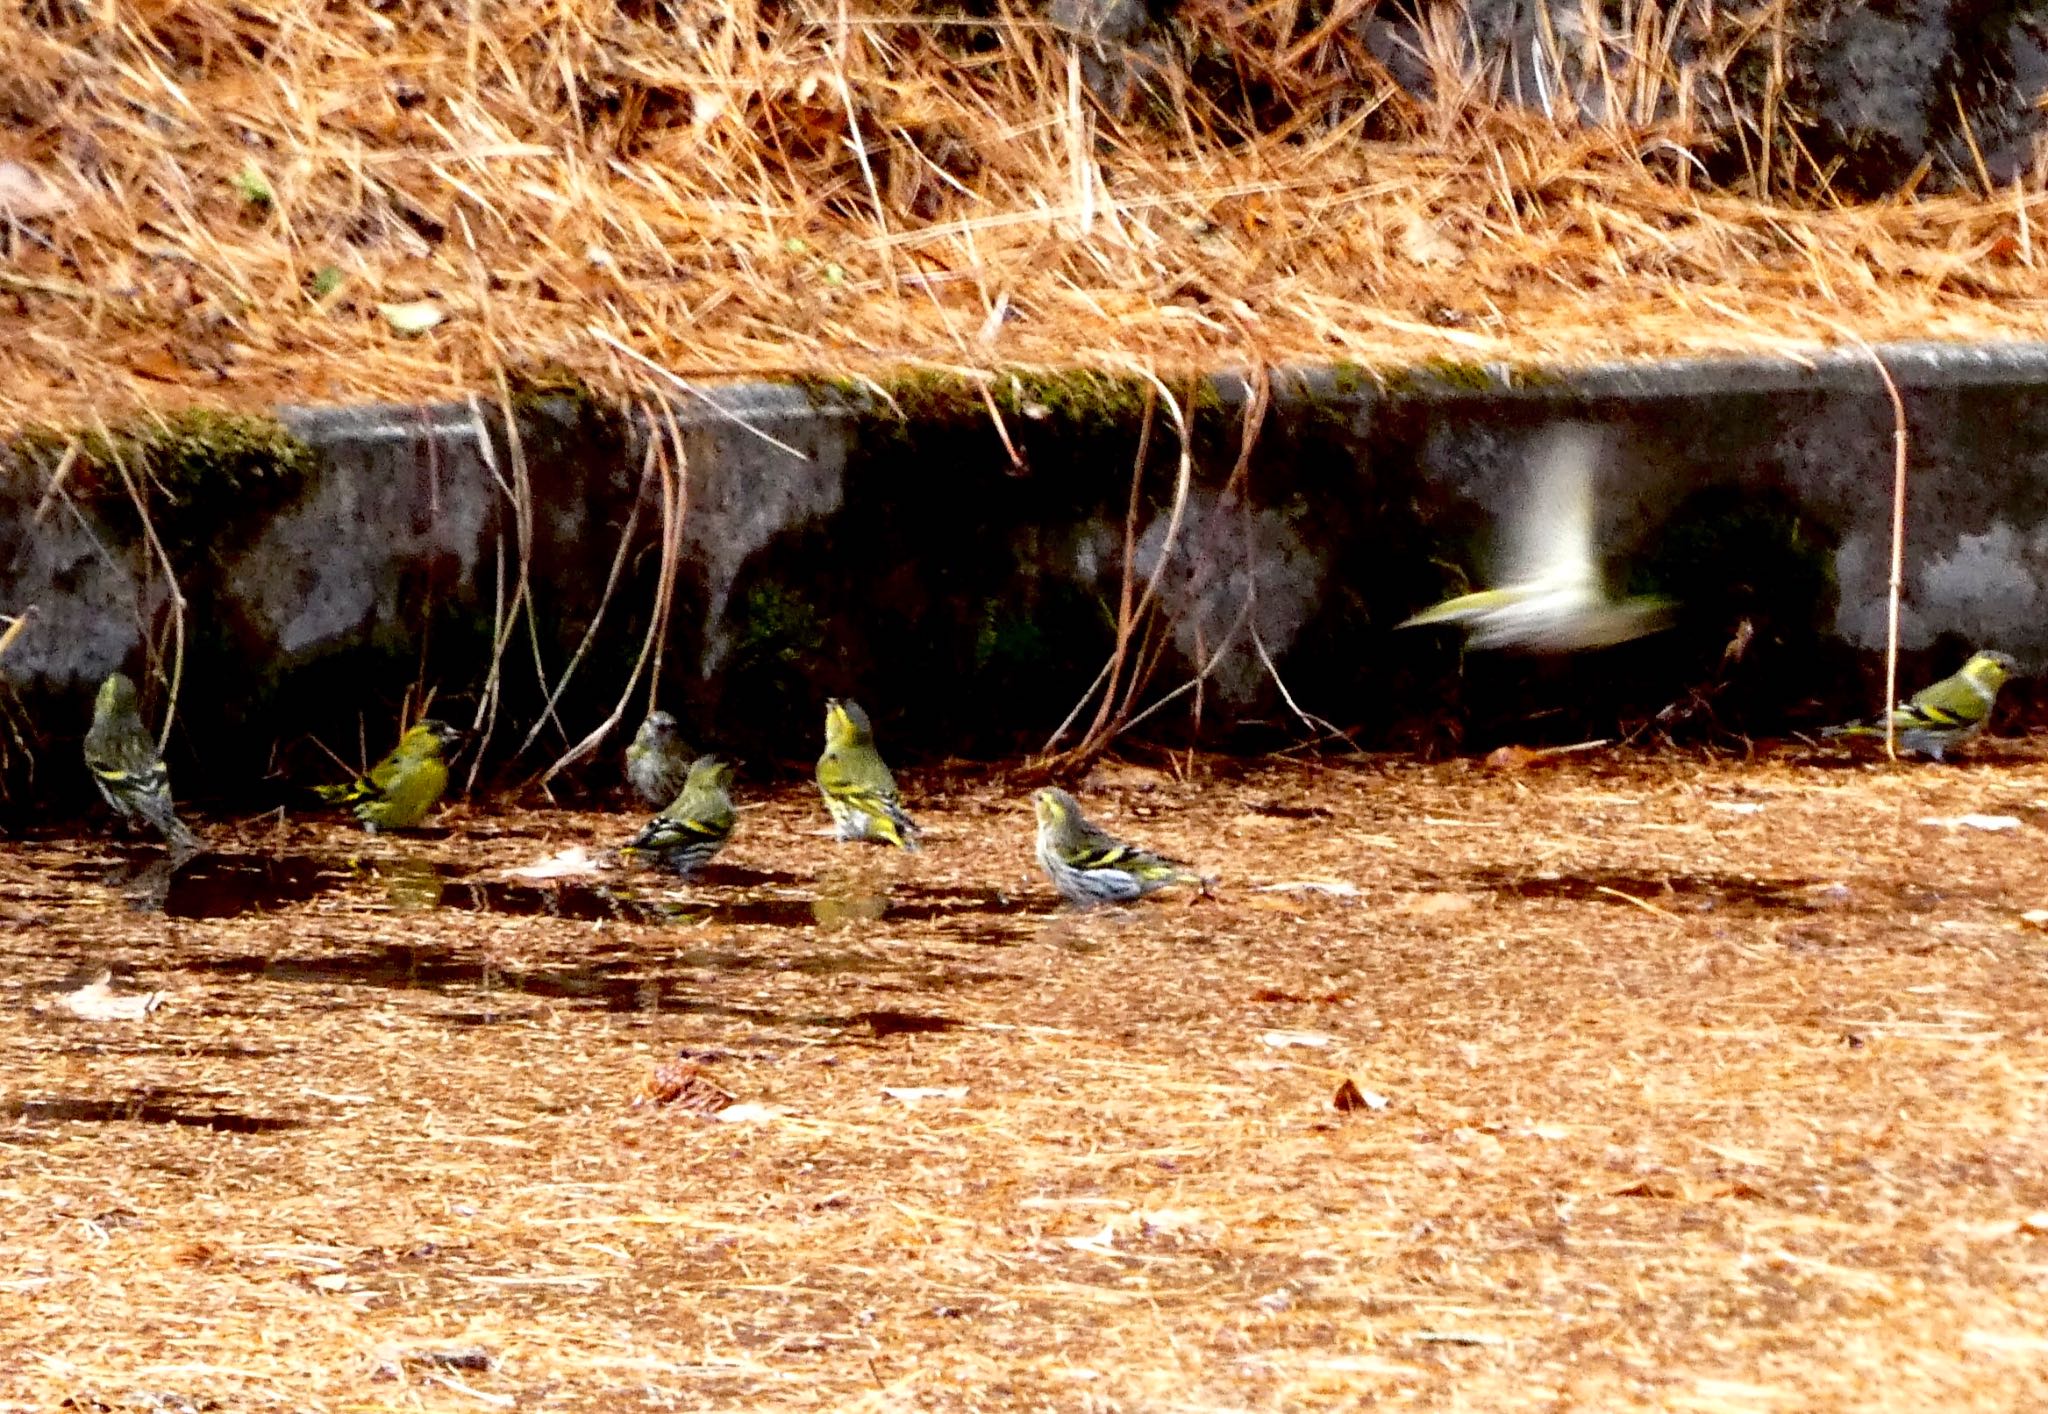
(219, 204)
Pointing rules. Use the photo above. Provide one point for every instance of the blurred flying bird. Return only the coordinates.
(1550, 598)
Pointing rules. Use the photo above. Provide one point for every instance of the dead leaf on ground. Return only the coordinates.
(1287, 1040)
(682, 1085)
(1435, 903)
(1424, 243)
(1350, 1099)
(26, 193)
(413, 318)
(1994, 823)
(98, 1001)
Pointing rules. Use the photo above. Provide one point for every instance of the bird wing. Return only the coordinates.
(851, 774)
(1954, 701)
(668, 831)
(1096, 848)
(1550, 542)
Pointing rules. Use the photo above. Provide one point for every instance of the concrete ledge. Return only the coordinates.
(828, 547)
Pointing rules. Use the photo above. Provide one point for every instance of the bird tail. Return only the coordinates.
(887, 818)
(347, 794)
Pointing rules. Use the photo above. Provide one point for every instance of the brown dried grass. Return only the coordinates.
(805, 189)
(1687, 1109)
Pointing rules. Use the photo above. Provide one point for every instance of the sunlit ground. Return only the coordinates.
(1681, 1084)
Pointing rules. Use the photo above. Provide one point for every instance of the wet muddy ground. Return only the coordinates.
(1677, 1083)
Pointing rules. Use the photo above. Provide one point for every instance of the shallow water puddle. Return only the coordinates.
(615, 980)
(191, 1109)
(1690, 892)
(219, 886)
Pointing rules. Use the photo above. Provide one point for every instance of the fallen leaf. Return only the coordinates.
(1350, 1099)
(412, 319)
(1335, 888)
(26, 193)
(159, 365)
(678, 1084)
(98, 1001)
(1435, 903)
(1285, 1040)
(1423, 241)
(1155, 1221)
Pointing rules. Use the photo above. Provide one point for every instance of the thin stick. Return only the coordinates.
(667, 377)
(1895, 586)
(17, 625)
(156, 546)
(1128, 581)
(611, 583)
(675, 505)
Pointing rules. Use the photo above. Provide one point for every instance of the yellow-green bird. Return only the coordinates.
(695, 826)
(1088, 865)
(858, 789)
(1945, 715)
(403, 787)
(126, 766)
(1550, 598)
(657, 763)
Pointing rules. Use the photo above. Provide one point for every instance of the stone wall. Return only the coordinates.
(832, 543)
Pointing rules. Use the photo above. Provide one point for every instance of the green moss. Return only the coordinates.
(1084, 402)
(200, 473)
(776, 628)
(1006, 639)
(831, 391)
(1348, 379)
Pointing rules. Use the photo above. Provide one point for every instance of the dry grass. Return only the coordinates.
(813, 188)
(1688, 1108)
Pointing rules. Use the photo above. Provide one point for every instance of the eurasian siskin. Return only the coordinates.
(695, 826)
(1550, 599)
(1088, 865)
(403, 787)
(126, 766)
(657, 762)
(858, 789)
(1945, 715)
